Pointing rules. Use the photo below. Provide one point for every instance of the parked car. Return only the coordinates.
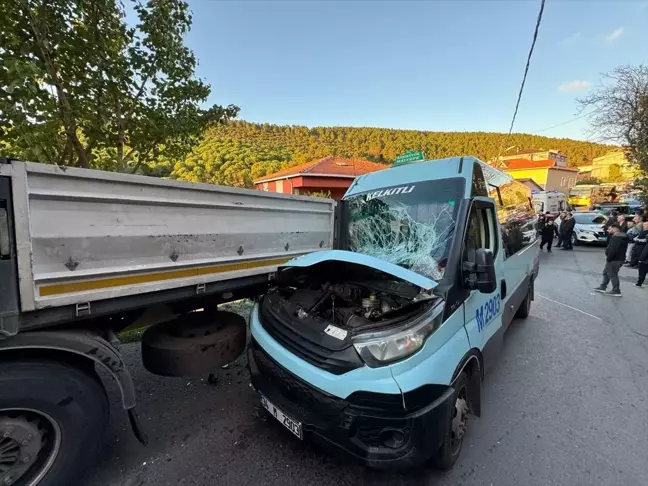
(606, 209)
(588, 228)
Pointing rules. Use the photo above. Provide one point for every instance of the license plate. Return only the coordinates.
(292, 425)
(602, 238)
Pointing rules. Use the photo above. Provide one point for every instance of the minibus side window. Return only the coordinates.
(480, 232)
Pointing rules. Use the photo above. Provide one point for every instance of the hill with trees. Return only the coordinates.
(237, 153)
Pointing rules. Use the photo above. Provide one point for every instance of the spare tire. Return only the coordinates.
(193, 344)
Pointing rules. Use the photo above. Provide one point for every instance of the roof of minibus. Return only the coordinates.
(424, 170)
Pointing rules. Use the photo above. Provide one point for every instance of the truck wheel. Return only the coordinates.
(53, 417)
(194, 343)
(525, 306)
(448, 454)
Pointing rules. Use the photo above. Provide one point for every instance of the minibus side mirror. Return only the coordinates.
(485, 269)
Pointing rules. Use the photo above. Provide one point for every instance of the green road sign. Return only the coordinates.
(410, 156)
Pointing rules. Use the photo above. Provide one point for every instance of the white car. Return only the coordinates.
(588, 228)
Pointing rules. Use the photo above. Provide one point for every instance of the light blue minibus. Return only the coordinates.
(378, 348)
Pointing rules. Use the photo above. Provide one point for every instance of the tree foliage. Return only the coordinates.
(80, 86)
(619, 114)
(588, 180)
(239, 152)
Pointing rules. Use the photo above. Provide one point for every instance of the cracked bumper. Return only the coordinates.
(372, 427)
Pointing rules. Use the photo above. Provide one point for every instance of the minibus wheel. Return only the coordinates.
(450, 449)
(525, 307)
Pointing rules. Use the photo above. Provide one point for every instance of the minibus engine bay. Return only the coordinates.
(324, 311)
(359, 299)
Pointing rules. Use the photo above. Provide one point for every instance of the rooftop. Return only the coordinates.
(512, 164)
(328, 166)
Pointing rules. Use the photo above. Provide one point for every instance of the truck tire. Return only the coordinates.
(53, 418)
(450, 449)
(193, 344)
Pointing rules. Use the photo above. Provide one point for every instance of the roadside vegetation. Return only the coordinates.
(237, 153)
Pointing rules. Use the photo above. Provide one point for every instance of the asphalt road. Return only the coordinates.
(566, 404)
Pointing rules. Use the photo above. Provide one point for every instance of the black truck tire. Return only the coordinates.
(194, 343)
(53, 416)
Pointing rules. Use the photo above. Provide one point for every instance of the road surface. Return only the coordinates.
(566, 404)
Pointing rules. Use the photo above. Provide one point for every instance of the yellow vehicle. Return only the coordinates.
(589, 194)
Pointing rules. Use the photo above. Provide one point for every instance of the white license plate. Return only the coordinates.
(292, 425)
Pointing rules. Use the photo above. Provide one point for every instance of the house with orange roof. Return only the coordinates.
(331, 175)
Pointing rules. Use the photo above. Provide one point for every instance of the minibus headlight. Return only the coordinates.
(381, 348)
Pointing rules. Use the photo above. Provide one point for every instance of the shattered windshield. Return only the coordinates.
(411, 225)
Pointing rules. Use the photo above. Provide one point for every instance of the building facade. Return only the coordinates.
(537, 155)
(545, 173)
(330, 176)
(601, 166)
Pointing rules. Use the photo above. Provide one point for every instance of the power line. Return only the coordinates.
(526, 71)
(564, 123)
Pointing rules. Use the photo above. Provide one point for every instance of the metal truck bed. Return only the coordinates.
(83, 235)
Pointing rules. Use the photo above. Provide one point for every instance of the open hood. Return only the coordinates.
(365, 260)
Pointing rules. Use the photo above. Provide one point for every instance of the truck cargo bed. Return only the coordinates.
(82, 236)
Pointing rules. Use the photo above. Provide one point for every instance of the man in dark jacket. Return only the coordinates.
(643, 266)
(542, 219)
(547, 233)
(611, 219)
(640, 242)
(566, 230)
(621, 219)
(614, 258)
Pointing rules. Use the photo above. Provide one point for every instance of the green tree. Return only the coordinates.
(254, 150)
(78, 85)
(588, 181)
(619, 114)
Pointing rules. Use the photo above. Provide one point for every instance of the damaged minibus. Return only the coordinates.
(378, 348)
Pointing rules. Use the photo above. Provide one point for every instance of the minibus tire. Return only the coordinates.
(448, 453)
(525, 307)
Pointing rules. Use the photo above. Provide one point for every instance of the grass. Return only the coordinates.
(131, 335)
(242, 307)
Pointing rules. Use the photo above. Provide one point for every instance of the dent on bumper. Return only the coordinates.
(373, 427)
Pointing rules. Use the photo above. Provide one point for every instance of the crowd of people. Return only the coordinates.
(548, 230)
(627, 244)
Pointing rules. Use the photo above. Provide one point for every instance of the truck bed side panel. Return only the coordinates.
(96, 235)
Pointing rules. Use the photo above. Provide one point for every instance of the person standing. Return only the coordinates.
(548, 233)
(563, 215)
(614, 258)
(610, 220)
(623, 223)
(633, 232)
(542, 219)
(566, 230)
(643, 267)
(640, 242)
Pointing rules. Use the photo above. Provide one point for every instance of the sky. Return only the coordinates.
(424, 65)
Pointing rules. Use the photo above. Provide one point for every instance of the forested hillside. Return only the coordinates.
(240, 152)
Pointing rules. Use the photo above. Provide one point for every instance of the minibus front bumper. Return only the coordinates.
(373, 427)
